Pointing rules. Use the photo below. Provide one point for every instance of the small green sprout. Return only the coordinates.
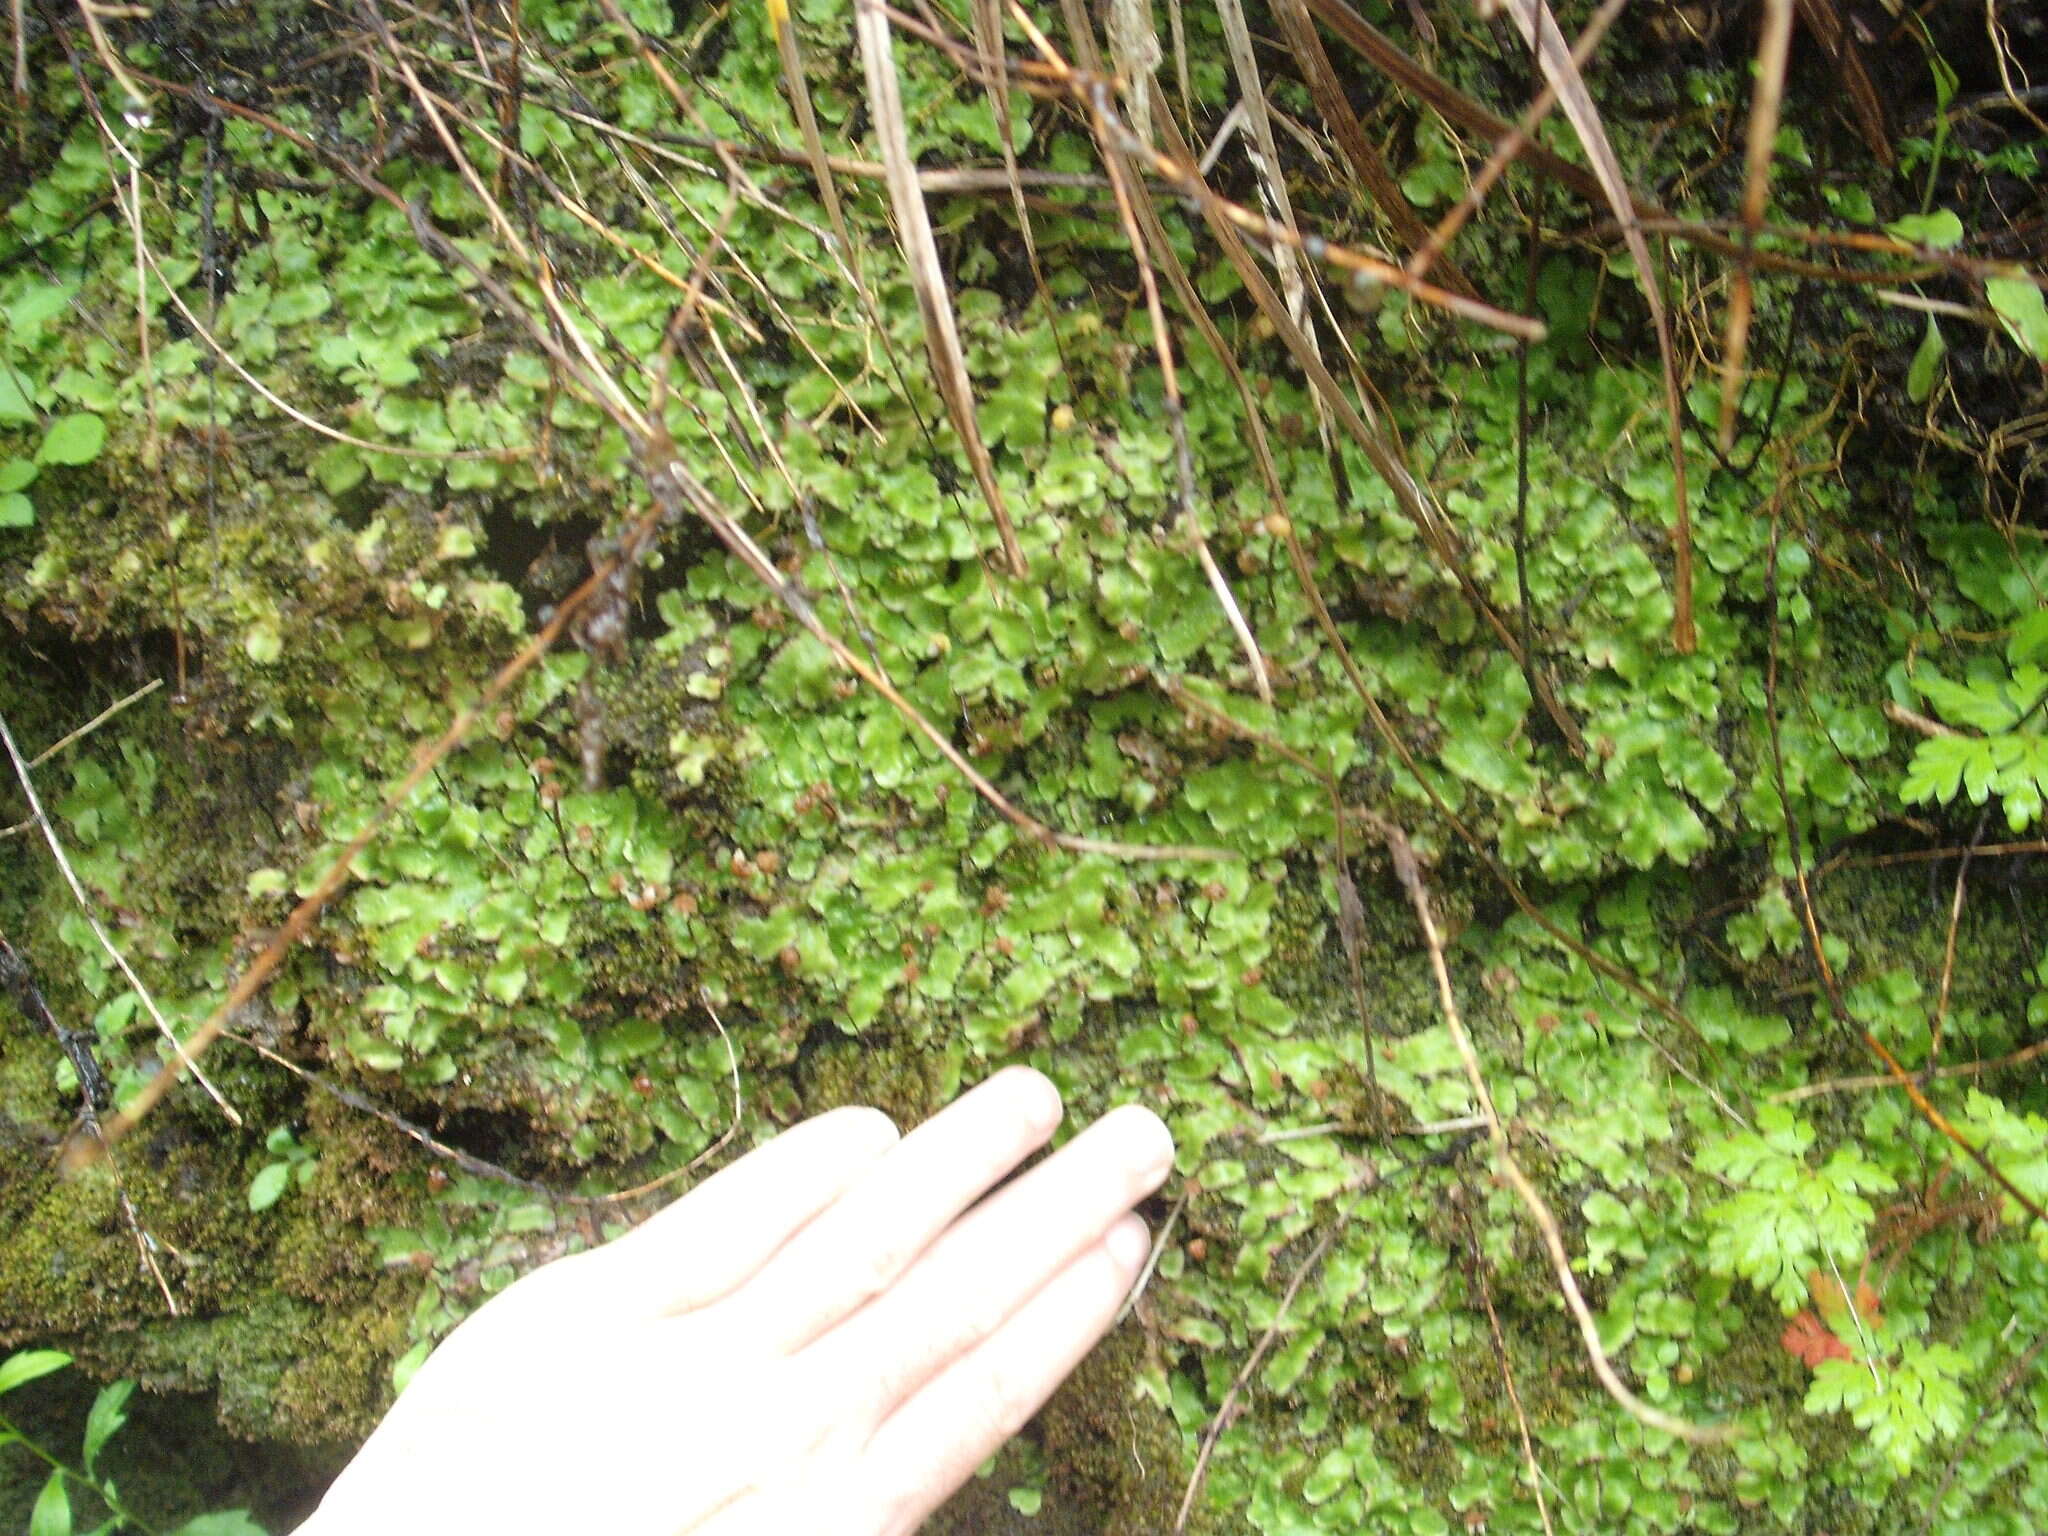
(292, 1164)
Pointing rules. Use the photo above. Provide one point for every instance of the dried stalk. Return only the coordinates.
(1540, 31)
(927, 277)
(77, 1046)
(1367, 163)
(1948, 947)
(1507, 1374)
(98, 720)
(1225, 1411)
(988, 37)
(1810, 920)
(1773, 50)
(1508, 147)
(20, 79)
(1237, 38)
(1415, 502)
(1447, 100)
(2020, 1057)
(791, 53)
(1176, 416)
(1093, 94)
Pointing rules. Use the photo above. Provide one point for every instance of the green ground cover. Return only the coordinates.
(690, 849)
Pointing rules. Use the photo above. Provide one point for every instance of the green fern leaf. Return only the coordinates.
(1936, 772)
(1978, 705)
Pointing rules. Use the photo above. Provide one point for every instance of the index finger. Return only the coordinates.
(715, 1238)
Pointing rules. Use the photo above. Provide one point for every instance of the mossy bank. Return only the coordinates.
(690, 873)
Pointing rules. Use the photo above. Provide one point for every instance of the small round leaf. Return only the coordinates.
(74, 439)
(268, 1186)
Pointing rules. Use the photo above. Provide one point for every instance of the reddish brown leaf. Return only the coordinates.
(1808, 1337)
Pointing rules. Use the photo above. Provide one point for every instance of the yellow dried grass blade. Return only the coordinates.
(791, 53)
(1539, 30)
(921, 251)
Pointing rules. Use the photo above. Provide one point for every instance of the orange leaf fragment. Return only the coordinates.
(1834, 1306)
(1808, 1337)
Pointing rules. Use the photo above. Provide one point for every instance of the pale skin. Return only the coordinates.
(828, 1336)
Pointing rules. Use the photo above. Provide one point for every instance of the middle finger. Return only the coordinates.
(860, 1246)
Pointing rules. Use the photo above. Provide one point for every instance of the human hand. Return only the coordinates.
(828, 1337)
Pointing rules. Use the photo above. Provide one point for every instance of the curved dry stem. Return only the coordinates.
(1367, 163)
(1381, 452)
(98, 720)
(301, 918)
(790, 51)
(1408, 869)
(927, 276)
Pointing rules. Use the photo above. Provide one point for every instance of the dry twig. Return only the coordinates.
(1773, 49)
(2020, 1057)
(1507, 1371)
(1226, 1410)
(98, 720)
(1169, 382)
(1810, 918)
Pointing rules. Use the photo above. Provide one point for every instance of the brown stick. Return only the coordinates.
(1508, 148)
(1367, 163)
(1507, 1372)
(1225, 1410)
(2024, 1054)
(1810, 919)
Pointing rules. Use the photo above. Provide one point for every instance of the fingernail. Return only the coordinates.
(1128, 1242)
(1151, 1143)
(1041, 1100)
